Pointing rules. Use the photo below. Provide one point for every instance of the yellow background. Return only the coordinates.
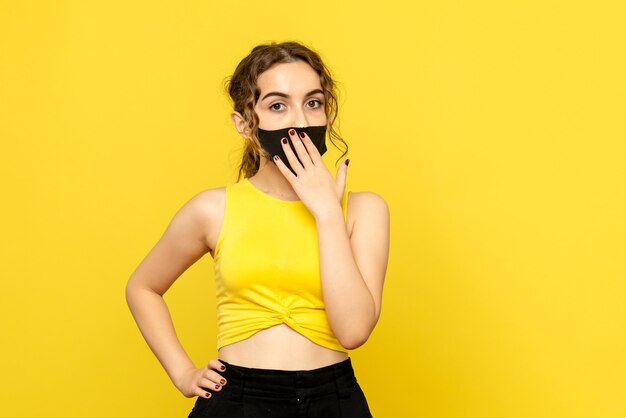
(495, 130)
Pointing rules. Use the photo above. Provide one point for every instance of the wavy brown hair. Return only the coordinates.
(244, 93)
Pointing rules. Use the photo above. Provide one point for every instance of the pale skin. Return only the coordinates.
(353, 252)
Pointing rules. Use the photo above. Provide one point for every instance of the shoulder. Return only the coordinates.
(367, 202)
(209, 197)
(206, 204)
(366, 209)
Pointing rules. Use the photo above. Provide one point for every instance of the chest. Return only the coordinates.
(279, 252)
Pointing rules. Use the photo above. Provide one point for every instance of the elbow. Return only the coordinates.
(354, 339)
(136, 287)
(356, 335)
(132, 292)
(352, 344)
(129, 293)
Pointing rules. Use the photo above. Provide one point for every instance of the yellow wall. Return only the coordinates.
(495, 131)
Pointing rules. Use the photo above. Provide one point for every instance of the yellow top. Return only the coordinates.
(267, 268)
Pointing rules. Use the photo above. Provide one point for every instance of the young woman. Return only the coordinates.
(299, 260)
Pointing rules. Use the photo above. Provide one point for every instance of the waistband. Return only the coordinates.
(289, 384)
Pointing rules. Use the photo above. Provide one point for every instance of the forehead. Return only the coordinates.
(294, 78)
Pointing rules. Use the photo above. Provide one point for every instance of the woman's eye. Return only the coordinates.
(278, 109)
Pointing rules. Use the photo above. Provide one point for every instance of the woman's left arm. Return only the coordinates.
(353, 267)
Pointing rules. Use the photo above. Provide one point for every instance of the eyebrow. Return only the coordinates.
(277, 93)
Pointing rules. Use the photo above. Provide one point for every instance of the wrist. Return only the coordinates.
(179, 375)
(330, 216)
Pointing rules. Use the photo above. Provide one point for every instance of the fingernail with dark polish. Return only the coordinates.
(284, 140)
(301, 134)
(292, 132)
(347, 161)
(217, 386)
(222, 381)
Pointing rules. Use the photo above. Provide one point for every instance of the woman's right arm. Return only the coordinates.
(182, 244)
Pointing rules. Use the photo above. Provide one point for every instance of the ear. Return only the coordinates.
(239, 122)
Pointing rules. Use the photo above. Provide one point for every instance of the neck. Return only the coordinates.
(272, 181)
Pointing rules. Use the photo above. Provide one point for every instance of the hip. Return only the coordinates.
(329, 391)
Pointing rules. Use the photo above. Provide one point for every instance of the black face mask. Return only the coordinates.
(270, 141)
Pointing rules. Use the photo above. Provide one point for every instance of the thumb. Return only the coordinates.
(342, 173)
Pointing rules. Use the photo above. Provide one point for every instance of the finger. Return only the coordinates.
(342, 173)
(214, 377)
(291, 157)
(283, 169)
(198, 391)
(216, 365)
(209, 384)
(302, 152)
(313, 152)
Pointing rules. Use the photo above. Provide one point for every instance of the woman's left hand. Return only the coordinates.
(314, 184)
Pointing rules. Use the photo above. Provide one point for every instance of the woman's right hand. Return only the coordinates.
(195, 382)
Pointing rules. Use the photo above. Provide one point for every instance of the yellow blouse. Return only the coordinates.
(267, 268)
